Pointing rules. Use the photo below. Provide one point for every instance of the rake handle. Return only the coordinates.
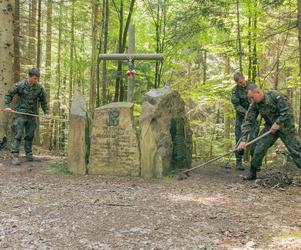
(35, 115)
(230, 152)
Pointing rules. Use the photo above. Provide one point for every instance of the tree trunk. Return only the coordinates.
(95, 9)
(71, 54)
(160, 19)
(124, 37)
(204, 63)
(47, 135)
(249, 41)
(39, 46)
(99, 51)
(119, 78)
(57, 103)
(6, 57)
(157, 24)
(299, 39)
(254, 56)
(276, 83)
(37, 140)
(17, 42)
(105, 47)
(227, 119)
(32, 33)
(238, 36)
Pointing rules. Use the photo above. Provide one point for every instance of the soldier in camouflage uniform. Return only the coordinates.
(278, 115)
(29, 92)
(241, 104)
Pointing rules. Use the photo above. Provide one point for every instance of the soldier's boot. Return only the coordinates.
(3, 142)
(239, 165)
(28, 149)
(29, 157)
(252, 175)
(15, 159)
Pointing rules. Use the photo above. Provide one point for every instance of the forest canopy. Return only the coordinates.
(204, 43)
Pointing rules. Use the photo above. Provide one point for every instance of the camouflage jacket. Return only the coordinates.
(274, 108)
(240, 100)
(28, 97)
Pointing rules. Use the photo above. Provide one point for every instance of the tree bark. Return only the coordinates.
(7, 9)
(32, 55)
(249, 41)
(95, 8)
(57, 103)
(124, 37)
(299, 39)
(105, 47)
(17, 42)
(204, 63)
(159, 16)
(119, 78)
(39, 45)
(71, 69)
(227, 120)
(276, 82)
(47, 135)
(37, 140)
(99, 51)
(254, 56)
(238, 36)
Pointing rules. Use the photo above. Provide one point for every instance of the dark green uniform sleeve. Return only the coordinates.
(43, 101)
(248, 123)
(10, 95)
(283, 108)
(235, 101)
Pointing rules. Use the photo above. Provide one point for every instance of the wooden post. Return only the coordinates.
(131, 72)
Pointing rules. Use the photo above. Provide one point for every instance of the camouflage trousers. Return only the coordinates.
(253, 135)
(21, 124)
(290, 139)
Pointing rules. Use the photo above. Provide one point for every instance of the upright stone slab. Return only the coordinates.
(114, 147)
(166, 138)
(76, 143)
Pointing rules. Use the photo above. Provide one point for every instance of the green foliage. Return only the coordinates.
(199, 42)
(57, 167)
(295, 234)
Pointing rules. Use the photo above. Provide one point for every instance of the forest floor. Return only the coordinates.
(43, 207)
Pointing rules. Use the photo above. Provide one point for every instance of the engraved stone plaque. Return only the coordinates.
(114, 147)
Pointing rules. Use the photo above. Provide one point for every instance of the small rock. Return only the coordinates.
(250, 245)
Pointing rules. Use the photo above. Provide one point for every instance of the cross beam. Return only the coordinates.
(131, 72)
(131, 57)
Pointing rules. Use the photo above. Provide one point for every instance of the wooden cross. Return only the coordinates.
(131, 57)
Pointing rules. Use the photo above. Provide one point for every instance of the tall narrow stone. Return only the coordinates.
(77, 144)
(166, 138)
(114, 147)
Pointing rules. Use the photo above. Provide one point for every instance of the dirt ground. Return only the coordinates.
(41, 207)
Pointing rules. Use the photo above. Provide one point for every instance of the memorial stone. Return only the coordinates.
(114, 147)
(166, 138)
(76, 141)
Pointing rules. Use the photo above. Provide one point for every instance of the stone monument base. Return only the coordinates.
(166, 137)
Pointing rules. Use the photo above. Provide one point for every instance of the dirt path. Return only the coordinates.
(213, 209)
